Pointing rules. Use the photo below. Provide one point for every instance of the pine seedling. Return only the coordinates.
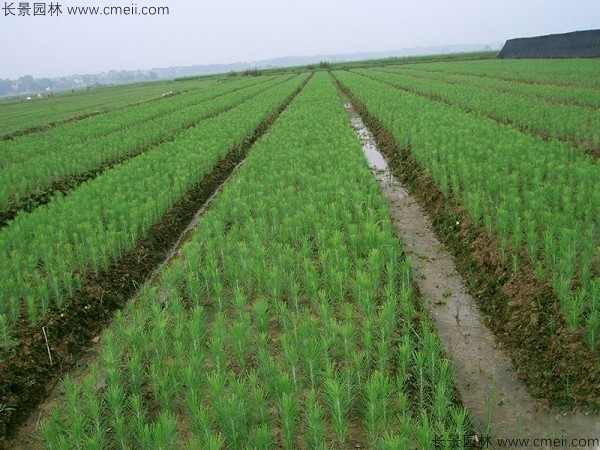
(575, 308)
(232, 418)
(135, 369)
(338, 403)
(367, 339)
(291, 360)
(73, 401)
(94, 407)
(216, 381)
(592, 327)
(240, 340)
(32, 309)
(217, 342)
(203, 424)
(384, 355)
(404, 357)
(6, 340)
(260, 407)
(312, 360)
(393, 442)
(314, 422)
(115, 399)
(295, 295)
(54, 433)
(219, 295)
(420, 360)
(423, 431)
(196, 325)
(14, 308)
(137, 415)
(261, 315)
(432, 351)
(283, 384)
(459, 420)
(239, 302)
(119, 430)
(261, 438)
(288, 413)
(347, 335)
(531, 241)
(377, 413)
(164, 389)
(267, 369)
(164, 432)
(441, 402)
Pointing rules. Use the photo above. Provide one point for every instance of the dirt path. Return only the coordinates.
(496, 400)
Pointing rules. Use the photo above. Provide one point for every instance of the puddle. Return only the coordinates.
(496, 400)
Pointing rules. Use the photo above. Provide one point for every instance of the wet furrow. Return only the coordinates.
(495, 398)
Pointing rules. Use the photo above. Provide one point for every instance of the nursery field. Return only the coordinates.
(287, 316)
(20, 115)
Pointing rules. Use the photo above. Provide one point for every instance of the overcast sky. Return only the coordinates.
(208, 31)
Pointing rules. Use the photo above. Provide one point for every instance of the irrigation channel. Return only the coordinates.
(496, 400)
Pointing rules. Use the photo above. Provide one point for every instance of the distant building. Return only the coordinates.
(578, 44)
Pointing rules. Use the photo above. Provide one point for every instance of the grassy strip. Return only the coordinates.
(568, 72)
(575, 125)
(19, 116)
(538, 198)
(576, 96)
(73, 134)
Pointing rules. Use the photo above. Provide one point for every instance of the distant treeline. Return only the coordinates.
(29, 85)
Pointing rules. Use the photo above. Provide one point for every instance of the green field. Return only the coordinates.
(289, 317)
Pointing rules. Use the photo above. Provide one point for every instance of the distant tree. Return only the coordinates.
(25, 84)
(5, 87)
(252, 72)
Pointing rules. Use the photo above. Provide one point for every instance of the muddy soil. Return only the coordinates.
(28, 378)
(496, 399)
